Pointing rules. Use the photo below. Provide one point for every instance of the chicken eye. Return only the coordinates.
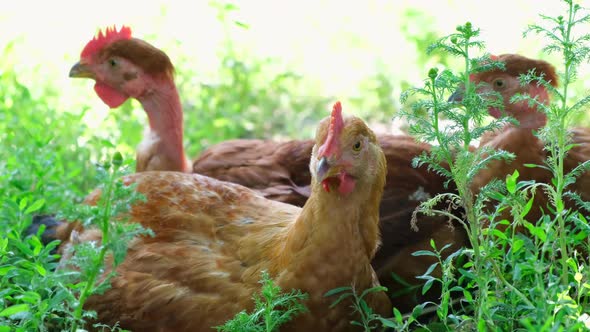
(113, 62)
(499, 83)
(357, 146)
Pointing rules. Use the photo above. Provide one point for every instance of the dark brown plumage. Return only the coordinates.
(278, 170)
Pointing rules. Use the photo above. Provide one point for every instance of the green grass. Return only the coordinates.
(272, 308)
(506, 281)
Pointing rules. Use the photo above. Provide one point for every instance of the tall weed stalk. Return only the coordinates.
(452, 144)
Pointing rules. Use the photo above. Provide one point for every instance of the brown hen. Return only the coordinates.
(213, 239)
(521, 139)
(278, 170)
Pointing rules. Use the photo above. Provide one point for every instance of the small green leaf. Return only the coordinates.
(23, 247)
(340, 299)
(30, 297)
(457, 289)
(388, 323)
(537, 231)
(37, 245)
(468, 296)
(398, 316)
(427, 286)
(499, 234)
(106, 143)
(5, 269)
(481, 325)
(418, 310)
(375, 289)
(517, 244)
(35, 206)
(40, 269)
(527, 207)
(365, 308)
(337, 290)
(15, 309)
(430, 269)
(424, 253)
(559, 205)
(580, 236)
(242, 25)
(511, 182)
(22, 204)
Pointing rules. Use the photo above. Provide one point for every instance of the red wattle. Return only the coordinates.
(326, 185)
(347, 183)
(109, 96)
(495, 112)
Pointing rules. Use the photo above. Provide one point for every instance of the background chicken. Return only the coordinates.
(127, 67)
(149, 78)
(278, 170)
(213, 239)
(520, 139)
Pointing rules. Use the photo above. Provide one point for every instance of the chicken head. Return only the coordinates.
(347, 155)
(125, 67)
(122, 66)
(506, 82)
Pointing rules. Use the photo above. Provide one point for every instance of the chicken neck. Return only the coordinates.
(162, 147)
(529, 117)
(332, 231)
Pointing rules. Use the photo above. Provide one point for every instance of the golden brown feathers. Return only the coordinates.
(212, 240)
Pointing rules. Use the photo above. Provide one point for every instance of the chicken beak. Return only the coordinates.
(457, 96)
(324, 170)
(81, 70)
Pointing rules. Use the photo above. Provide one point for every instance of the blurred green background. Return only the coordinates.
(257, 68)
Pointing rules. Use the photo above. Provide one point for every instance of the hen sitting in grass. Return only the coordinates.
(522, 139)
(213, 239)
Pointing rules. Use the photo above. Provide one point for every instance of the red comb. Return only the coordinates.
(100, 40)
(331, 145)
(336, 122)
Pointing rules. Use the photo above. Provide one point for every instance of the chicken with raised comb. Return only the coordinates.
(213, 239)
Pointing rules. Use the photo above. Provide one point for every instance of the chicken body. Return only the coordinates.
(521, 139)
(277, 170)
(213, 239)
